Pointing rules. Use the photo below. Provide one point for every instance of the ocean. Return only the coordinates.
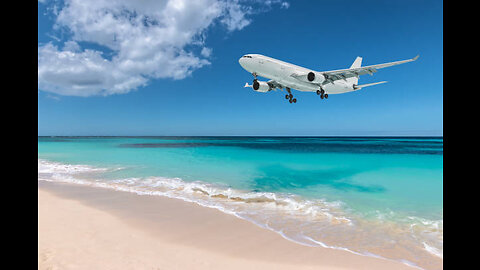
(374, 196)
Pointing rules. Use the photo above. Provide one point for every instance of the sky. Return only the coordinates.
(133, 68)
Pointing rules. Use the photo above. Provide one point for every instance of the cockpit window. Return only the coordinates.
(247, 56)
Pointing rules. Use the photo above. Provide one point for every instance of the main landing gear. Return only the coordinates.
(322, 93)
(290, 96)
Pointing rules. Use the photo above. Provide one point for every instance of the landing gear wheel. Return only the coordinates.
(294, 100)
(290, 100)
(322, 96)
(287, 96)
(318, 92)
(326, 95)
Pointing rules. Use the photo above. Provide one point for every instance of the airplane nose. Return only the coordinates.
(241, 61)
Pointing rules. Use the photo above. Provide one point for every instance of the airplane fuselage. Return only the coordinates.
(280, 71)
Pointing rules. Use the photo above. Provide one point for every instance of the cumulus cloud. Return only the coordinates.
(235, 16)
(285, 5)
(206, 52)
(131, 42)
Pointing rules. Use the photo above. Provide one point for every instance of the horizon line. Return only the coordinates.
(309, 136)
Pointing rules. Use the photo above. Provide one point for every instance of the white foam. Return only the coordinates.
(55, 167)
(433, 250)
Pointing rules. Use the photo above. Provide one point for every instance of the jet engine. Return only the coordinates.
(315, 77)
(260, 86)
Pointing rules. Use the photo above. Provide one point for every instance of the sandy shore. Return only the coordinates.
(92, 228)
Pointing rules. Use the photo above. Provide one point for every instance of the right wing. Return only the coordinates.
(273, 85)
(343, 74)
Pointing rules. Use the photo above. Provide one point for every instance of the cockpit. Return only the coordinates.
(246, 56)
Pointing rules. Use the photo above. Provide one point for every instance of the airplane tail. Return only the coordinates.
(356, 64)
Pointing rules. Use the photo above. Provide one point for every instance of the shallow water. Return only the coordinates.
(372, 196)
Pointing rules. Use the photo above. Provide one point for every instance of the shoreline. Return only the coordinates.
(121, 229)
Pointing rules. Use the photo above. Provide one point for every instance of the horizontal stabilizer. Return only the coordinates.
(356, 87)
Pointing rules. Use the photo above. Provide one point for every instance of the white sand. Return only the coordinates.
(88, 228)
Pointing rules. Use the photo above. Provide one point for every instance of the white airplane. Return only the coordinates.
(289, 76)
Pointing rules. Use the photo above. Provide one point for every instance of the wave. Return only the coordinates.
(45, 166)
(192, 191)
(310, 222)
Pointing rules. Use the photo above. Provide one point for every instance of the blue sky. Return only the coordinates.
(96, 78)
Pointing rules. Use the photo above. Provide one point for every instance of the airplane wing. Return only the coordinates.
(343, 74)
(273, 84)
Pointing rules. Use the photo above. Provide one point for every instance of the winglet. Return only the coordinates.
(416, 57)
(247, 85)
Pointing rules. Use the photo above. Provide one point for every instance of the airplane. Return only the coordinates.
(290, 76)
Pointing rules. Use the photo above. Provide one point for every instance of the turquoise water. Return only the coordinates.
(324, 186)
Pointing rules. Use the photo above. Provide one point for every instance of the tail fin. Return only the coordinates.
(356, 64)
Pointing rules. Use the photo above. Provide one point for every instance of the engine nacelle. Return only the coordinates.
(260, 86)
(315, 77)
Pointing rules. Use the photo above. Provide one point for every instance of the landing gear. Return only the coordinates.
(322, 93)
(290, 96)
(255, 84)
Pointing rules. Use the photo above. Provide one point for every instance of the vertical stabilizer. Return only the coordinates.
(356, 64)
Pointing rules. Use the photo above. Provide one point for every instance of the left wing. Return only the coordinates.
(343, 74)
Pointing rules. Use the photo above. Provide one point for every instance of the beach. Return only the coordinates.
(82, 227)
(376, 198)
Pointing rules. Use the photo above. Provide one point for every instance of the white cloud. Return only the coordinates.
(285, 5)
(206, 52)
(235, 16)
(147, 40)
